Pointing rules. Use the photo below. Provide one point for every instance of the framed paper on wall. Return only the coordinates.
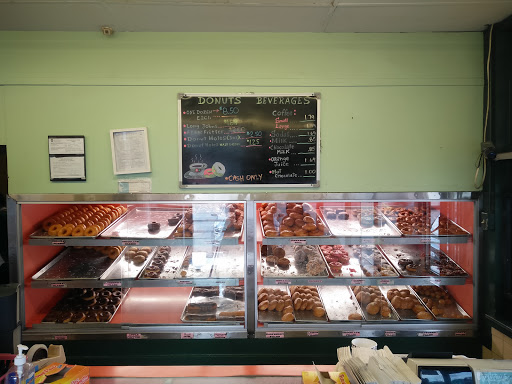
(67, 158)
(130, 150)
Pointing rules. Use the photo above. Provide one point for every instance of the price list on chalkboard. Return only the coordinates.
(258, 140)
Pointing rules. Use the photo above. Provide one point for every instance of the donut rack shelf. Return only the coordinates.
(25, 211)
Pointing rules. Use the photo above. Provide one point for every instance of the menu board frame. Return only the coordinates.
(206, 184)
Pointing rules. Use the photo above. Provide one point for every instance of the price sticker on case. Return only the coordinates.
(298, 241)
(130, 242)
(312, 334)
(385, 282)
(435, 281)
(185, 282)
(59, 242)
(187, 335)
(220, 335)
(428, 334)
(274, 335)
(283, 281)
(134, 336)
(461, 333)
(425, 240)
(357, 282)
(60, 337)
(314, 281)
(112, 284)
(369, 241)
(351, 334)
(58, 285)
(390, 333)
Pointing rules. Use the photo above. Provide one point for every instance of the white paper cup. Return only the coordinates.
(361, 342)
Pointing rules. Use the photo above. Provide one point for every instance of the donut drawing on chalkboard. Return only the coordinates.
(200, 170)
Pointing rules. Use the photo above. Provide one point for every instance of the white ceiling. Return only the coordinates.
(252, 15)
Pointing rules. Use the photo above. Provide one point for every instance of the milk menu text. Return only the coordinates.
(256, 140)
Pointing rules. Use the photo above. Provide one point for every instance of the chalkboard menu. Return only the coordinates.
(258, 140)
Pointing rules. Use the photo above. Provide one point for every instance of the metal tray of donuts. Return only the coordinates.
(198, 262)
(209, 221)
(340, 304)
(276, 314)
(75, 264)
(134, 225)
(441, 303)
(372, 261)
(393, 316)
(42, 234)
(409, 314)
(352, 269)
(297, 267)
(308, 293)
(443, 227)
(282, 214)
(347, 222)
(421, 260)
(164, 263)
(129, 264)
(218, 307)
(86, 307)
(229, 262)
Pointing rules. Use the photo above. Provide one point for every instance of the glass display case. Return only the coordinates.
(210, 266)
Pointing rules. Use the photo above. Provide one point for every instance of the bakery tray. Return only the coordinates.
(306, 316)
(451, 229)
(426, 261)
(373, 263)
(229, 262)
(74, 303)
(352, 227)
(223, 305)
(297, 267)
(198, 262)
(165, 263)
(339, 303)
(134, 225)
(126, 268)
(75, 264)
(378, 316)
(265, 316)
(406, 314)
(451, 311)
(42, 234)
(352, 269)
(327, 232)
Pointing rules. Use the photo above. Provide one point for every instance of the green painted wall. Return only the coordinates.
(399, 112)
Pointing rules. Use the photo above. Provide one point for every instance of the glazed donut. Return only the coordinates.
(309, 227)
(78, 230)
(271, 233)
(92, 230)
(113, 253)
(48, 223)
(287, 233)
(65, 231)
(54, 229)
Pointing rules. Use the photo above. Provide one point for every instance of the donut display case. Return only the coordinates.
(210, 266)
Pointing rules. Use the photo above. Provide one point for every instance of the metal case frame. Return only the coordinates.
(250, 237)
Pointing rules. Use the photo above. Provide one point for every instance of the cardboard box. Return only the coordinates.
(63, 374)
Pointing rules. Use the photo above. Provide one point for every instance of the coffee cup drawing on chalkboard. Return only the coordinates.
(200, 171)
